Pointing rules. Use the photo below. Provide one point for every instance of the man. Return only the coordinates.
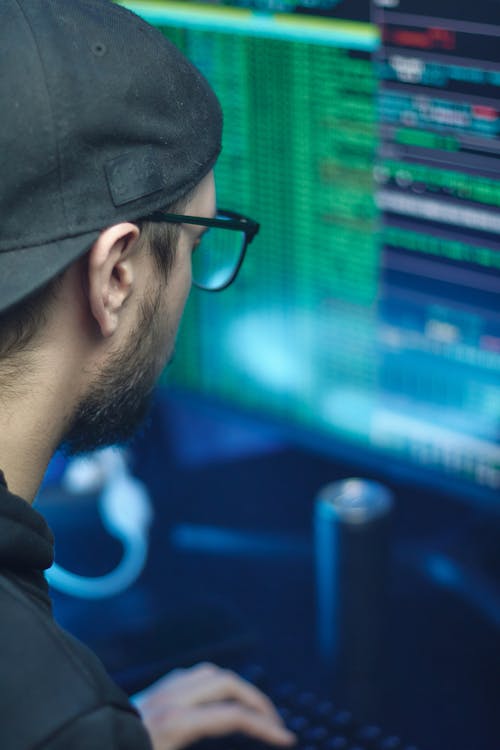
(104, 126)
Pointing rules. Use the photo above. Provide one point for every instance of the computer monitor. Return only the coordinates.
(366, 141)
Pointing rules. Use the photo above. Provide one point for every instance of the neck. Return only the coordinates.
(32, 424)
(23, 471)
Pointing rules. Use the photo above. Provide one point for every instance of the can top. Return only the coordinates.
(354, 500)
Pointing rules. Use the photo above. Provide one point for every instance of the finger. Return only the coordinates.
(181, 680)
(215, 685)
(174, 688)
(217, 720)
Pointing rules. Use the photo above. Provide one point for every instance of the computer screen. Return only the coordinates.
(365, 140)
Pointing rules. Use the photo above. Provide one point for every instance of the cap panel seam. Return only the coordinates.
(52, 114)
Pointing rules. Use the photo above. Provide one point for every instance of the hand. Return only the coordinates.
(205, 701)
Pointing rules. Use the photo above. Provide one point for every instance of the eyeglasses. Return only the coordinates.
(218, 256)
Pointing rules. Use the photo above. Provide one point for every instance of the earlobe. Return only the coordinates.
(111, 275)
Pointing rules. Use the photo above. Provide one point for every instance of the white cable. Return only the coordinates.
(126, 513)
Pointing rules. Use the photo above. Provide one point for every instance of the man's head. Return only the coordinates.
(104, 122)
(144, 331)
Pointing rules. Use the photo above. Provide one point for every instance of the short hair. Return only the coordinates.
(20, 324)
(162, 237)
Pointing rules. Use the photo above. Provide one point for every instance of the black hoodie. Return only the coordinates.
(54, 692)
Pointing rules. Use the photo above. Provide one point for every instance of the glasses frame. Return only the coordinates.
(235, 221)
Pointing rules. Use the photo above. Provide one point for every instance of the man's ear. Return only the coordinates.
(111, 274)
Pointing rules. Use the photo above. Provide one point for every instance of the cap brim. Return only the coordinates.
(25, 270)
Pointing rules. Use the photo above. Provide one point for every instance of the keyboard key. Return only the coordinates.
(305, 700)
(336, 743)
(369, 733)
(297, 724)
(283, 692)
(324, 708)
(285, 713)
(342, 719)
(390, 743)
(315, 734)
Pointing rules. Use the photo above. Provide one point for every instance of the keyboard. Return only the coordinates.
(321, 725)
(318, 723)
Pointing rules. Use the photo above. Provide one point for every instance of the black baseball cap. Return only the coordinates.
(102, 120)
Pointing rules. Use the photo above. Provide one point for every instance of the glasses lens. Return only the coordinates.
(217, 256)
